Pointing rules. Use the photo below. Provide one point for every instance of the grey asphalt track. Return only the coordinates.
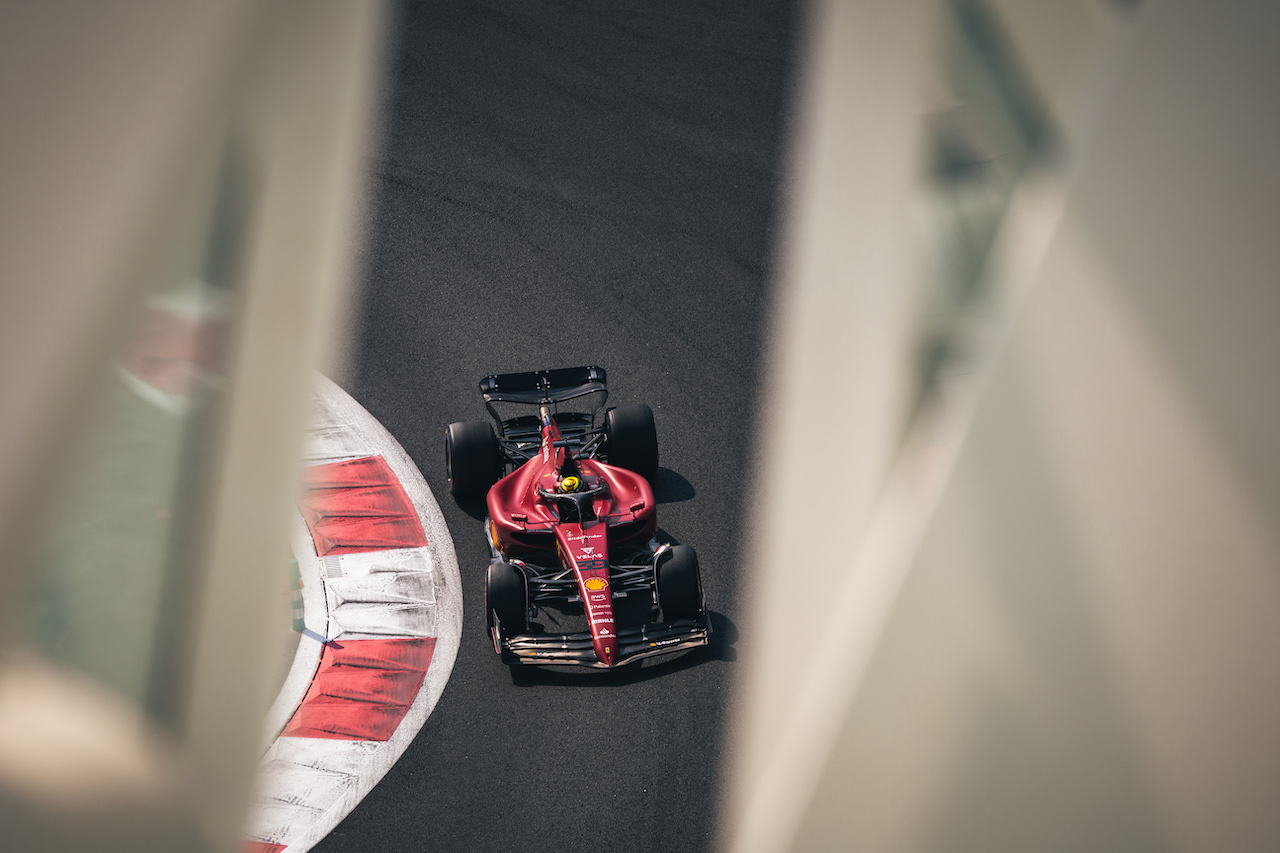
(561, 184)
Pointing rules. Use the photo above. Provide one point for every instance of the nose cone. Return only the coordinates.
(606, 649)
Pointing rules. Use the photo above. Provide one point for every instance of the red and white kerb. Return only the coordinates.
(383, 616)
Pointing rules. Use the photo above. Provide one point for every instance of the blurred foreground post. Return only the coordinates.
(181, 185)
(1018, 561)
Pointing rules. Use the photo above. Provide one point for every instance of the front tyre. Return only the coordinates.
(679, 584)
(632, 439)
(472, 458)
(506, 599)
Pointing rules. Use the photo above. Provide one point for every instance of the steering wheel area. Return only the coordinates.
(575, 507)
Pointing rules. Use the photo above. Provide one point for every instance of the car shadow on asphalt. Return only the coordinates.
(669, 487)
(724, 633)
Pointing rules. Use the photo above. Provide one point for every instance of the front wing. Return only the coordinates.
(575, 649)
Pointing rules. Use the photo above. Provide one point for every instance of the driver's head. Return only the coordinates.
(570, 484)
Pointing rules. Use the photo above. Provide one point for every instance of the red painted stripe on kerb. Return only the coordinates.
(363, 689)
(359, 505)
(260, 847)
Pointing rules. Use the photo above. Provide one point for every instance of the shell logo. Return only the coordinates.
(595, 584)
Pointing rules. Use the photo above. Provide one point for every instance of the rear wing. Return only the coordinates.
(519, 437)
(536, 387)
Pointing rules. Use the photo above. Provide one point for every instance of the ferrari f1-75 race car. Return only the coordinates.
(572, 524)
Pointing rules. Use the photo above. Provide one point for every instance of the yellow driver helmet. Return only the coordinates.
(570, 484)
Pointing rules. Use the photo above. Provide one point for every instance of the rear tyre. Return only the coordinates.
(472, 458)
(679, 584)
(506, 598)
(632, 439)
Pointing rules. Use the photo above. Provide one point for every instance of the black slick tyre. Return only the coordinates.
(472, 458)
(506, 598)
(679, 584)
(632, 439)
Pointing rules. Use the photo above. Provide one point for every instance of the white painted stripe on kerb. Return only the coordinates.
(382, 594)
(308, 785)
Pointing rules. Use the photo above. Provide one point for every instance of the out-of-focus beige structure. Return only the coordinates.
(1018, 561)
(175, 228)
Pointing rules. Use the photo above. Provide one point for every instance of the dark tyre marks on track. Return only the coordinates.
(562, 184)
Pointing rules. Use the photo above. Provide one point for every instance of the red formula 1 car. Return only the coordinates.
(572, 527)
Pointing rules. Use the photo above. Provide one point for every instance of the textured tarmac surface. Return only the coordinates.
(564, 184)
